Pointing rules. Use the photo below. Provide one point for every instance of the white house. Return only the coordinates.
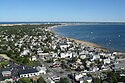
(41, 70)
(103, 54)
(25, 52)
(42, 54)
(95, 57)
(54, 78)
(63, 46)
(83, 52)
(50, 80)
(83, 56)
(94, 69)
(7, 80)
(106, 61)
(85, 78)
(112, 57)
(88, 63)
(54, 46)
(6, 73)
(79, 61)
(34, 58)
(77, 77)
(65, 55)
(106, 54)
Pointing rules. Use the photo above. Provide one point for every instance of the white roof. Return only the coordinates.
(6, 72)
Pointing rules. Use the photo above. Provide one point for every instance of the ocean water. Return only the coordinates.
(108, 36)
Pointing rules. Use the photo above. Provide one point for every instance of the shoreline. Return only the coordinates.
(76, 40)
(90, 44)
(17, 24)
(10, 24)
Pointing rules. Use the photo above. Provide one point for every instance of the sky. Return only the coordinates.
(62, 10)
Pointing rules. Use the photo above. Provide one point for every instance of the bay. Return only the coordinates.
(108, 36)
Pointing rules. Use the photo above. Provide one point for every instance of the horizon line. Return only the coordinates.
(67, 21)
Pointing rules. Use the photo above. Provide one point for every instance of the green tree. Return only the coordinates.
(40, 80)
(63, 64)
(20, 59)
(85, 81)
(3, 64)
(110, 80)
(24, 80)
(96, 80)
(74, 59)
(64, 80)
(112, 77)
(26, 60)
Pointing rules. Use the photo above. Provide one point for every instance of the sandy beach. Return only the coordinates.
(78, 41)
(9, 24)
(84, 42)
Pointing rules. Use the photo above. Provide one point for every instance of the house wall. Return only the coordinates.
(29, 75)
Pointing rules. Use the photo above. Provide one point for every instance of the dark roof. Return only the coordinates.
(26, 71)
(1, 77)
(63, 43)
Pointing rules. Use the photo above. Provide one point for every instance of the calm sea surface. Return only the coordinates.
(108, 36)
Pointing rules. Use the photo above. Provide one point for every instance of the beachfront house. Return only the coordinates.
(83, 52)
(63, 46)
(95, 57)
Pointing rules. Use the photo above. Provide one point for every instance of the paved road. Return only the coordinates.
(55, 71)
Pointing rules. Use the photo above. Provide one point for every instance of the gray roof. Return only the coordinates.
(26, 71)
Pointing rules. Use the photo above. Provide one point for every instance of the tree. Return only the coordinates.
(63, 64)
(112, 77)
(40, 80)
(85, 81)
(26, 60)
(3, 64)
(24, 80)
(96, 80)
(74, 59)
(64, 80)
(110, 80)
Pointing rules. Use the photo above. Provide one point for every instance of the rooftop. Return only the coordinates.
(25, 71)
